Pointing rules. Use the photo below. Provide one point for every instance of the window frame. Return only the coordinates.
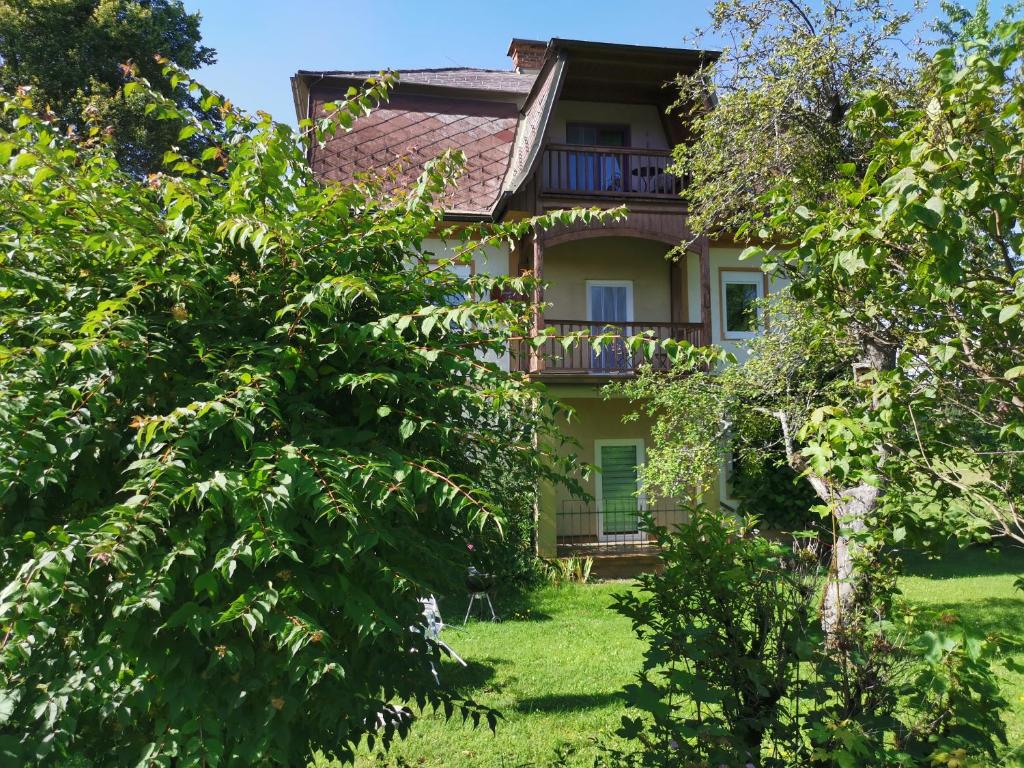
(627, 284)
(749, 277)
(435, 264)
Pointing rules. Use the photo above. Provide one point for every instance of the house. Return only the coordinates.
(571, 123)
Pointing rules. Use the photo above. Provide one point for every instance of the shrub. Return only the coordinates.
(570, 570)
(235, 411)
(727, 627)
(736, 672)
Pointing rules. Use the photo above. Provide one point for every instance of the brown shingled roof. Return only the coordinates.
(413, 129)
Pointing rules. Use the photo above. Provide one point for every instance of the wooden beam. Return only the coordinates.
(537, 267)
(704, 251)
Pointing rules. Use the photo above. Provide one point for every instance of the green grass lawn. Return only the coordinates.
(554, 667)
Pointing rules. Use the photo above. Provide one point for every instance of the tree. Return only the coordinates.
(717, 409)
(74, 55)
(735, 673)
(921, 250)
(780, 96)
(774, 105)
(231, 405)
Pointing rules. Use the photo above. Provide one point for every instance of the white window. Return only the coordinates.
(619, 497)
(741, 290)
(609, 310)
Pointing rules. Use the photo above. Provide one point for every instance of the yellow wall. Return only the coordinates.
(567, 267)
(644, 121)
(595, 419)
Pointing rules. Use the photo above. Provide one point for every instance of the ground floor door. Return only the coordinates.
(619, 500)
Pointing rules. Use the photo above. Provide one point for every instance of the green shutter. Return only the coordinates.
(618, 488)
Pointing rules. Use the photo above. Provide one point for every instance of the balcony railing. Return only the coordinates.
(610, 527)
(608, 171)
(614, 357)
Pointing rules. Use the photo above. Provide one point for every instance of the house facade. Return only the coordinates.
(571, 123)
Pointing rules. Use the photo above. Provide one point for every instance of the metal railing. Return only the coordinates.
(611, 527)
(608, 171)
(613, 357)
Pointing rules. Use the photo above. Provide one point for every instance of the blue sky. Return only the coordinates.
(261, 43)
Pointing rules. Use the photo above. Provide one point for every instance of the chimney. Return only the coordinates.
(527, 55)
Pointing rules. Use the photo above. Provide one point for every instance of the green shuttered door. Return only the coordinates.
(618, 488)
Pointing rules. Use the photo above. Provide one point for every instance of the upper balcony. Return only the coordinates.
(608, 172)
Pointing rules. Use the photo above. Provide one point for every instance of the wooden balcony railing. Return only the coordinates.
(613, 358)
(608, 171)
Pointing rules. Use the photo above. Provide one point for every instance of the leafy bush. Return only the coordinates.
(235, 413)
(712, 407)
(508, 552)
(727, 625)
(736, 672)
(763, 482)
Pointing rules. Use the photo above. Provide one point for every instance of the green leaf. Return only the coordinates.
(23, 160)
(406, 429)
(1008, 312)
(42, 175)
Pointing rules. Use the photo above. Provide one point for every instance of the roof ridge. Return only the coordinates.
(412, 69)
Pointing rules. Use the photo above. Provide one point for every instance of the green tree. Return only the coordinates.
(750, 411)
(921, 250)
(234, 404)
(774, 104)
(73, 54)
(735, 672)
(773, 110)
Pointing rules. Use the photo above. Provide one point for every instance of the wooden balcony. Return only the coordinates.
(609, 172)
(612, 359)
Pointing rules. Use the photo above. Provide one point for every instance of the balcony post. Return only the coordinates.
(537, 267)
(704, 253)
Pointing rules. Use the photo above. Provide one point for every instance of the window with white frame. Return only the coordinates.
(610, 308)
(740, 292)
(463, 271)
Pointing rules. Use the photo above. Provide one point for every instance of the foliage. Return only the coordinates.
(687, 445)
(920, 250)
(771, 485)
(235, 411)
(570, 570)
(726, 628)
(73, 55)
(506, 552)
(773, 106)
(707, 411)
(735, 672)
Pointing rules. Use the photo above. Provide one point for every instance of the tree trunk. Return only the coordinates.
(851, 508)
(850, 518)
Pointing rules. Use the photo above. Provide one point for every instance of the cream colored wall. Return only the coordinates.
(720, 258)
(568, 267)
(492, 260)
(645, 127)
(595, 418)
